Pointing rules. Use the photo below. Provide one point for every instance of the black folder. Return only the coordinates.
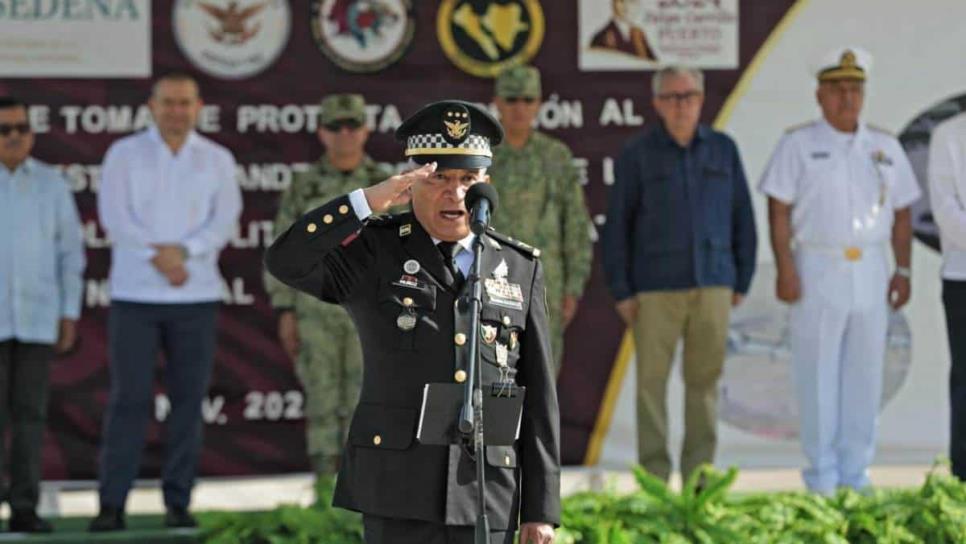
(442, 402)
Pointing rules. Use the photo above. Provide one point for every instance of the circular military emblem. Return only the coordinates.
(411, 266)
(484, 37)
(363, 35)
(406, 321)
(232, 39)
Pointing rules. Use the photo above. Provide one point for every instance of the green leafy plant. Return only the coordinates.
(704, 512)
(318, 524)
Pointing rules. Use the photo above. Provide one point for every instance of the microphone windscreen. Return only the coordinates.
(482, 190)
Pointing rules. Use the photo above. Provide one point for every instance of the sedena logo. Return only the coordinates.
(72, 10)
(232, 39)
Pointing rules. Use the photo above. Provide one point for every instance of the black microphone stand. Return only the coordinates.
(471, 416)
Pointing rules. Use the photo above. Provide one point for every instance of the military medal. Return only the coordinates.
(408, 281)
(488, 333)
(514, 337)
(406, 320)
(502, 354)
(504, 293)
(411, 266)
(501, 269)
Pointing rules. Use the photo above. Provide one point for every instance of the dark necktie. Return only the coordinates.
(449, 251)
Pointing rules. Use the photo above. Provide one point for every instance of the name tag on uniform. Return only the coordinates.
(504, 293)
(820, 154)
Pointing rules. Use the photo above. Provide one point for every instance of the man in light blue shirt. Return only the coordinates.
(169, 202)
(41, 270)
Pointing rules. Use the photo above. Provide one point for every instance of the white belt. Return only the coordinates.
(849, 253)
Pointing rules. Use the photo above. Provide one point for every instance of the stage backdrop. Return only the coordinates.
(264, 65)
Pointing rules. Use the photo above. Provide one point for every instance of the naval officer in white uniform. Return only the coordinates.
(839, 193)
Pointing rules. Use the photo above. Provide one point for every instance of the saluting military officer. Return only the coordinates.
(319, 337)
(839, 191)
(543, 201)
(401, 280)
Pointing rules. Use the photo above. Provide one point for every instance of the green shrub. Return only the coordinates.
(702, 513)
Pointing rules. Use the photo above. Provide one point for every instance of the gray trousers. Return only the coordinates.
(24, 370)
(137, 332)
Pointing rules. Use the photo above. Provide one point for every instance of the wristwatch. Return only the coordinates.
(904, 271)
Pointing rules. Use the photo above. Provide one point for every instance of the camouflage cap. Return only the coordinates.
(340, 107)
(518, 81)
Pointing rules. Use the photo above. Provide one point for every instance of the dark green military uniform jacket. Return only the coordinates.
(385, 472)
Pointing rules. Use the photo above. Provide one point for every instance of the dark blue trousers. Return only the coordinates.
(185, 333)
(954, 300)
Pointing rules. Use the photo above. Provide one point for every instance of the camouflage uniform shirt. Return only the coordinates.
(329, 364)
(542, 203)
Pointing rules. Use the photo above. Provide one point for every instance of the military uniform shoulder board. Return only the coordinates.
(800, 126)
(524, 248)
(383, 220)
(879, 129)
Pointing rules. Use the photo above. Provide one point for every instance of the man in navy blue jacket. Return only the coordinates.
(679, 251)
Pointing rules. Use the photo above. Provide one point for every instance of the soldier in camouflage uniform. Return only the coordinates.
(542, 200)
(319, 337)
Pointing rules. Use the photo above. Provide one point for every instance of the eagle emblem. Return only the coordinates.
(456, 124)
(233, 26)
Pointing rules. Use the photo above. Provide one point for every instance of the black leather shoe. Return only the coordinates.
(109, 519)
(178, 517)
(27, 521)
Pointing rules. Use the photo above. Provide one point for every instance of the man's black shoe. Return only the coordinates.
(179, 517)
(109, 519)
(27, 521)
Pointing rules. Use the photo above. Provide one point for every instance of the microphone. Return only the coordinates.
(482, 201)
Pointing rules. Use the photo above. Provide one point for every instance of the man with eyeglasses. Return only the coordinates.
(319, 337)
(402, 280)
(839, 191)
(543, 201)
(679, 253)
(41, 277)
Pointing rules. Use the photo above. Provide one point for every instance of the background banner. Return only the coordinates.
(75, 38)
(264, 65)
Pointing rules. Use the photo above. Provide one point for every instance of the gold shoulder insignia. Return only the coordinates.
(798, 127)
(524, 248)
(881, 130)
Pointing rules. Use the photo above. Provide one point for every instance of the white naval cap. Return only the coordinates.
(844, 63)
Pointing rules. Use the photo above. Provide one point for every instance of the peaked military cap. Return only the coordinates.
(454, 133)
(850, 63)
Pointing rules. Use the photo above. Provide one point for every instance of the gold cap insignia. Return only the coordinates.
(456, 124)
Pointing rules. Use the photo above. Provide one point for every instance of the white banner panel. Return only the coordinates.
(645, 34)
(75, 38)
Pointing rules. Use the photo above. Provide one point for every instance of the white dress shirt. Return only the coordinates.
(947, 193)
(149, 195)
(844, 187)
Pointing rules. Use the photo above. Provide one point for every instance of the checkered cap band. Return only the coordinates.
(436, 144)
